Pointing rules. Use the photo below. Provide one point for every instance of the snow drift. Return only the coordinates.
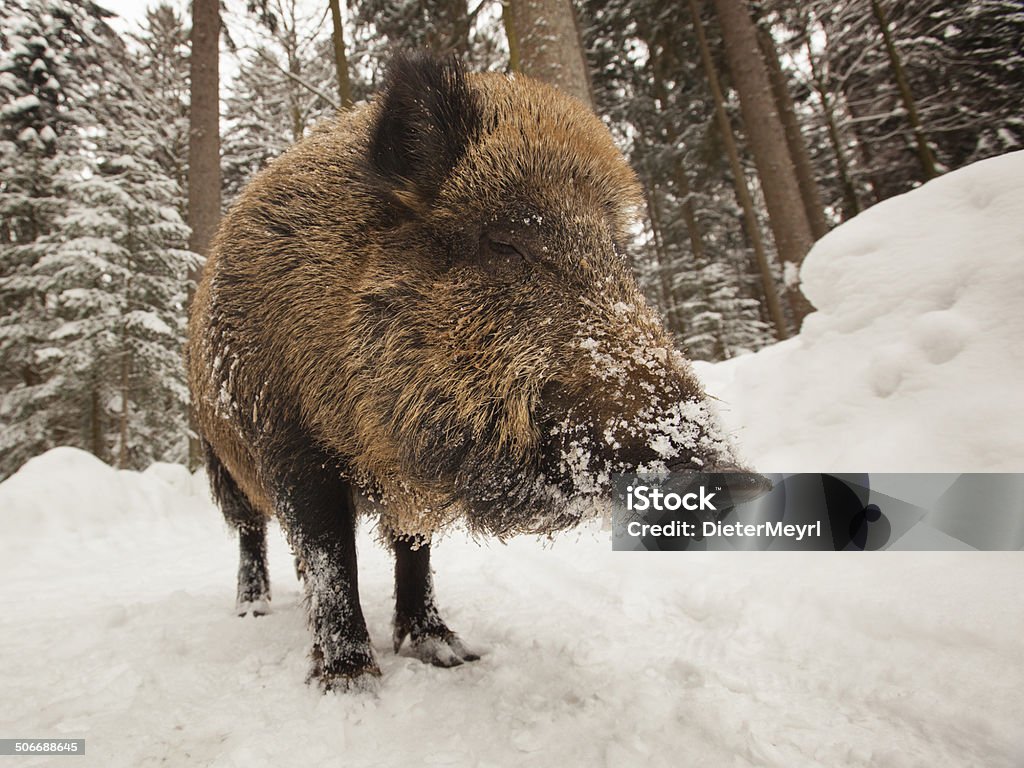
(118, 587)
(913, 361)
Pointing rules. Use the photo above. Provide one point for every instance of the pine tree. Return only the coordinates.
(984, 44)
(163, 63)
(116, 279)
(138, 186)
(49, 74)
(94, 254)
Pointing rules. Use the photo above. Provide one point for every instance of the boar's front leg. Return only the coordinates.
(416, 614)
(316, 506)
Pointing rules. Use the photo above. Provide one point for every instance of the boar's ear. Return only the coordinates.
(428, 117)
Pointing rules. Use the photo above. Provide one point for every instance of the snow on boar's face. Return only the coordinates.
(534, 369)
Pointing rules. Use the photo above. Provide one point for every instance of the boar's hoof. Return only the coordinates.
(441, 650)
(362, 674)
(258, 605)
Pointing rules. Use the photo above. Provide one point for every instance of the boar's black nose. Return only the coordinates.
(743, 484)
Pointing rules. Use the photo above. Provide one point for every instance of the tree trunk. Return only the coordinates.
(290, 43)
(549, 45)
(449, 32)
(793, 238)
(771, 296)
(653, 219)
(340, 59)
(122, 453)
(682, 182)
(96, 423)
(672, 319)
(689, 214)
(508, 20)
(857, 124)
(809, 191)
(685, 200)
(125, 362)
(850, 200)
(204, 138)
(459, 22)
(924, 150)
(204, 127)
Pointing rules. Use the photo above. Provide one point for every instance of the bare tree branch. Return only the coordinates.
(292, 76)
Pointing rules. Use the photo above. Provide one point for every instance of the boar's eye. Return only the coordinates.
(503, 248)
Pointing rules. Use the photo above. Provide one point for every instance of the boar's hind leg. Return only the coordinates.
(316, 507)
(416, 614)
(253, 581)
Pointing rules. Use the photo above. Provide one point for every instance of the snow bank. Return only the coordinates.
(913, 361)
(68, 491)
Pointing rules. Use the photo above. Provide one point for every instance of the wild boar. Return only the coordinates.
(426, 303)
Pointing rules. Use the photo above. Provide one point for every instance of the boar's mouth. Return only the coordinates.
(521, 501)
(569, 478)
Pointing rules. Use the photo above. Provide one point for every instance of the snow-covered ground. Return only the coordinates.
(117, 596)
(116, 588)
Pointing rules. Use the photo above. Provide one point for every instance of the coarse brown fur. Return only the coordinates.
(428, 298)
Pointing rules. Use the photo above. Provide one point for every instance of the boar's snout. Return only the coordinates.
(650, 419)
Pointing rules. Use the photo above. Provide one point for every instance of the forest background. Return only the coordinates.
(755, 127)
